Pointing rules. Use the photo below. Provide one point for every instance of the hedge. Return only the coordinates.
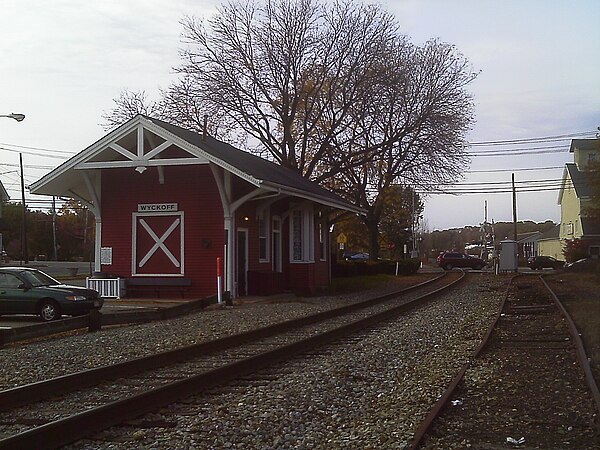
(361, 268)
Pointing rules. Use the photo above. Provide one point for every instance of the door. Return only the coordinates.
(242, 261)
(13, 298)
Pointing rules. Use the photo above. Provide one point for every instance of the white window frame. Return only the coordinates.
(134, 262)
(263, 216)
(276, 234)
(307, 235)
(569, 228)
(323, 234)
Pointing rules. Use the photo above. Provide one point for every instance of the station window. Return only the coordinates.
(301, 235)
(322, 240)
(263, 237)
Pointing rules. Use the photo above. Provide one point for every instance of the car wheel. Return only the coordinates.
(49, 310)
(447, 266)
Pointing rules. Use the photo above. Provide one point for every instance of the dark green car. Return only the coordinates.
(30, 291)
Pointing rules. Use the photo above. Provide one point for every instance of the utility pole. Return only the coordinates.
(55, 249)
(514, 193)
(24, 252)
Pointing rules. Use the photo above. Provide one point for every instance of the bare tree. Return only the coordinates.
(287, 72)
(127, 105)
(332, 90)
(412, 127)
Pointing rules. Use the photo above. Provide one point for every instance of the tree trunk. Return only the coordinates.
(372, 224)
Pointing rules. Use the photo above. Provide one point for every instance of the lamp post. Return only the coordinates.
(18, 117)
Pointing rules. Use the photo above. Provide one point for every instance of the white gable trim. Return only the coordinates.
(138, 124)
(563, 185)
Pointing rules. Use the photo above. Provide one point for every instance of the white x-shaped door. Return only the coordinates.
(159, 242)
(157, 236)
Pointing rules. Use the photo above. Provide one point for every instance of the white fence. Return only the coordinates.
(107, 287)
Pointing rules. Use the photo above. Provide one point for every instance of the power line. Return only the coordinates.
(513, 153)
(33, 153)
(30, 166)
(521, 149)
(458, 192)
(39, 148)
(554, 138)
(515, 170)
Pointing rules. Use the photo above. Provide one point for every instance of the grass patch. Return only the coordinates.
(346, 285)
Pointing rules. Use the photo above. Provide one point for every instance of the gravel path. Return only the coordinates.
(370, 393)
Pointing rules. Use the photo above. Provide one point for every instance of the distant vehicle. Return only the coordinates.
(358, 257)
(544, 262)
(31, 291)
(449, 260)
(583, 265)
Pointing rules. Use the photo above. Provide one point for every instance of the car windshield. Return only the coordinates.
(37, 278)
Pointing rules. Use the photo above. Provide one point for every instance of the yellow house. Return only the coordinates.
(575, 195)
(549, 244)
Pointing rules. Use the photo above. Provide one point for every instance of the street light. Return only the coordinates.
(16, 116)
(19, 118)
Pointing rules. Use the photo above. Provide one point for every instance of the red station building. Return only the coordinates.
(170, 203)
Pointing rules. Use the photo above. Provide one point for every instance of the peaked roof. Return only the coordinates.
(3, 194)
(584, 144)
(118, 149)
(552, 233)
(530, 235)
(580, 183)
(267, 172)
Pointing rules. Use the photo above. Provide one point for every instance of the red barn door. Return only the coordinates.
(158, 244)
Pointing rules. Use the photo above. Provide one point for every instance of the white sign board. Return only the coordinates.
(106, 255)
(157, 207)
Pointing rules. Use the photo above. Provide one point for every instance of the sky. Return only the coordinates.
(63, 62)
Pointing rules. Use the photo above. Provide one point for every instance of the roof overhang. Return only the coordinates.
(127, 146)
(140, 144)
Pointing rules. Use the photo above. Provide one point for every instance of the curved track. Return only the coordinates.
(530, 326)
(161, 379)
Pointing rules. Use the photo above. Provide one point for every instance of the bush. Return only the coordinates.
(362, 268)
(574, 250)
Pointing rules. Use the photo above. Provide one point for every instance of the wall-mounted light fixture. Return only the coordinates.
(140, 169)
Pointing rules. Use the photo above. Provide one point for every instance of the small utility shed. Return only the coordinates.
(168, 202)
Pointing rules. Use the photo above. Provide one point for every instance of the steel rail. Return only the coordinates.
(61, 432)
(33, 392)
(584, 362)
(441, 403)
(445, 398)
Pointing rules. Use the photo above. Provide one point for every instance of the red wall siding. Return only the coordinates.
(194, 190)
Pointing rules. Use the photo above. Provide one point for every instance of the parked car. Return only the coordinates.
(449, 260)
(544, 262)
(358, 257)
(31, 291)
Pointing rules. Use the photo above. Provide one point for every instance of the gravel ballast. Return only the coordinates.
(367, 392)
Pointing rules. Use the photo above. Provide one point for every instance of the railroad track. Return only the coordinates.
(528, 383)
(39, 415)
